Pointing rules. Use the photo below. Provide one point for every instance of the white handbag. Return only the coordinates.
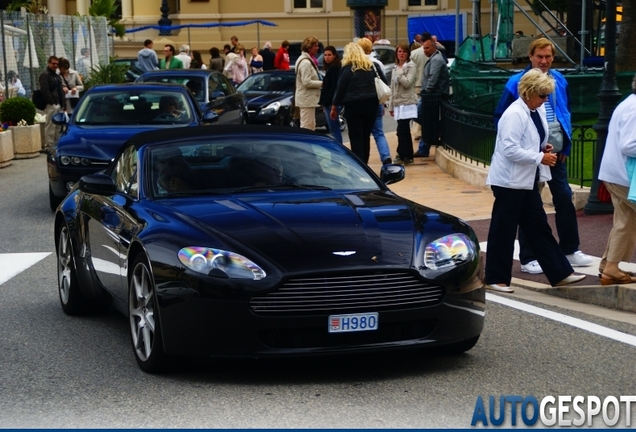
(383, 90)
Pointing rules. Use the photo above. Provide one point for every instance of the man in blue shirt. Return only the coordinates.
(541, 54)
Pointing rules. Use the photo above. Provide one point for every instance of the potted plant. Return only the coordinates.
(19, 113)
(6, 146)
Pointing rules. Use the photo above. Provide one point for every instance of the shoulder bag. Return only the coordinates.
(383, 91)
(38, 99)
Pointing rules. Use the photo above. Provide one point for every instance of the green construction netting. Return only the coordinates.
(477, 88)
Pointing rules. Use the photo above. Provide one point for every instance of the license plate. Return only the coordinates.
(353, 322)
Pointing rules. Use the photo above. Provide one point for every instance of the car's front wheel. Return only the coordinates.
(72, 300)
(145, 328)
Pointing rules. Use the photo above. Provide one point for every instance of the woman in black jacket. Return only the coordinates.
(331, 65)
(356, 91)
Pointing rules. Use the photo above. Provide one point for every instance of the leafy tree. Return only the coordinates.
(108, 9)
(32, 6)
(625, 46)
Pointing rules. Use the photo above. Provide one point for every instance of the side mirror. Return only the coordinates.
(210, 117)
(392, 173)
(98, 184)
(59, 119)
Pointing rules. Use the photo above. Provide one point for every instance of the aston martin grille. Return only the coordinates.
(348, 292)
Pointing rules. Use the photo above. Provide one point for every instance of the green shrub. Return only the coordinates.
(111, 73)
(17, 108)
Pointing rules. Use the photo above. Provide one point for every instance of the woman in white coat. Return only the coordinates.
(521, 148)
(403, 101)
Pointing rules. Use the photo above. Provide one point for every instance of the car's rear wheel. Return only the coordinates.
(145, 328)
(54, 200)
(71, 298)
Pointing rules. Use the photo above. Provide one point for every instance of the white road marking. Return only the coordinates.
(591, 270)
(12, 264)
(565, 319)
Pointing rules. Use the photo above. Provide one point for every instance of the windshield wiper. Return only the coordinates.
(282, 186)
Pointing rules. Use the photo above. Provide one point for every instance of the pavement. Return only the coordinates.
(426, 183)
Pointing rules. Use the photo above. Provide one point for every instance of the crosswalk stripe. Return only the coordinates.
(591, 270)
(12, 264)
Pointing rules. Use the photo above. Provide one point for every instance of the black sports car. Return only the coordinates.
(259, 241)
(270, 99)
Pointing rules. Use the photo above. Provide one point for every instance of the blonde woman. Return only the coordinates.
(521, 149)
(403, 101)
(356, 91)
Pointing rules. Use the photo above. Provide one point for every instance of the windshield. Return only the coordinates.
(123, 107)
(237, 165)
(266, 82)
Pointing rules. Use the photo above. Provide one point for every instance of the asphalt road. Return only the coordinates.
(66, 372)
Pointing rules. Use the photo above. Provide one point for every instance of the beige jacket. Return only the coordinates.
(403, 81)
(308, 83)
(419, 58)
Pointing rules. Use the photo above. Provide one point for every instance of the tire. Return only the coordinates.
(71, 298)
(461, 347)
(145, 330)
(54, 200)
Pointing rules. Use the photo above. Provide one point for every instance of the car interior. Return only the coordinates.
(131, 109)
(228, 167)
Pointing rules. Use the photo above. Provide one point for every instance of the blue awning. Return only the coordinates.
(166, 29)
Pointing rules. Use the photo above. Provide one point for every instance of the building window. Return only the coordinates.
(423, 3)
(308, 4)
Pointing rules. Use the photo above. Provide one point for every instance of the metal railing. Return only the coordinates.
(470, 136)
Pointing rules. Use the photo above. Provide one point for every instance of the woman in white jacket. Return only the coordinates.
(521, 148)
(403, 101)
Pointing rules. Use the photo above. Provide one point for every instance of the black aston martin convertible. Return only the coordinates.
(260, 241)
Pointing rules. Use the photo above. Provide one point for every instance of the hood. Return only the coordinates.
(349, 231)
(146, 52)
(260, 99)
(97, 142)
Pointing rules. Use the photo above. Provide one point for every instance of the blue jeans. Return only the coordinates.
(378, 135)
(565, 218)
(333, 125)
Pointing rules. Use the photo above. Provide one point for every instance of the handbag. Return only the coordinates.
(38, 99)
(383, 91)
(603, 194)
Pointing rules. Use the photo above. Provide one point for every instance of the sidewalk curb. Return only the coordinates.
(620, 297)
(475, 174)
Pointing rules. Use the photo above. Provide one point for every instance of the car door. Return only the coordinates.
(111, 228)
(225, 100)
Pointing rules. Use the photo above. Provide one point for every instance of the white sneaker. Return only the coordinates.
(532, 267)
(579, 259)
(499, 288)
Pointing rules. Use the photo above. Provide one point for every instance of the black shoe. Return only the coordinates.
(408, 161)
(397, 160)
(387, 161)
(418, 154)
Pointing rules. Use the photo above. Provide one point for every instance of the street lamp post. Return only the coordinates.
(164, 21)
(608, 97)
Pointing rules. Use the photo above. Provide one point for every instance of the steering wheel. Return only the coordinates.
(294, 178)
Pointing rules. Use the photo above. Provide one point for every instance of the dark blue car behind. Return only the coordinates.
(211, 89)
(105, 118)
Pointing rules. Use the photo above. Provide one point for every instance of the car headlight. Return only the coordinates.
(204, 260)
(271, 108)
(449, 251)
(74, 160)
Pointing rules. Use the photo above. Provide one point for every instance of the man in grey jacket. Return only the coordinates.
(147, 57)
(434, 86)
